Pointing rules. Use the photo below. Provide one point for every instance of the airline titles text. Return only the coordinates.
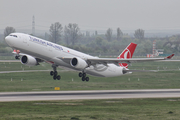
(45, 43)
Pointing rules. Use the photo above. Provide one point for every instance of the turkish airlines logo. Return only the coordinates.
(126, 54)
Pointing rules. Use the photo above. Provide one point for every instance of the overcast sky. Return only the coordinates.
(91, 14)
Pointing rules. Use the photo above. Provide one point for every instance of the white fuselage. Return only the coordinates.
(51, 52)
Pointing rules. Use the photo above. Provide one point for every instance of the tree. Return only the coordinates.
(119, 34)
(72, 33)
(139, 34)
(87, 34)
(96, 33)
(67, 35)
(99, 41)
(55, 32)
(109, 34)
(8, 30)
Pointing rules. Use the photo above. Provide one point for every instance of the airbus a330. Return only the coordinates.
(32, 51)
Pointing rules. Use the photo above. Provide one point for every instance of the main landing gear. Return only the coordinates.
(54, 73)
(83, 75)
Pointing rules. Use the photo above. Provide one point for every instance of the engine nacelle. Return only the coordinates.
(78, 63)
(126, 71)
(28, 60)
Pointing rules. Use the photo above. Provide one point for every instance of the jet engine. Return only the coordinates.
(78, 63)
(126, 71)
(29, 60)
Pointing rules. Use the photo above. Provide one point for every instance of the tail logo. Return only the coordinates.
(123, 65)
(127, 54)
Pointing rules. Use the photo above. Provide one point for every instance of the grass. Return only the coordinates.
(42, 81)
(155, 65)
(112, 109)
(7, 57)
(17, 66)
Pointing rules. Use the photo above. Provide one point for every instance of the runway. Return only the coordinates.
(93, 94)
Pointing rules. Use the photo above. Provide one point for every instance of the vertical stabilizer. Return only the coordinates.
(127, 53)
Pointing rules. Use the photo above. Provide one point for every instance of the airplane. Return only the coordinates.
(33, 50)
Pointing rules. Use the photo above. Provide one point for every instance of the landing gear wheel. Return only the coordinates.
(16, 57)
(58, 77)
(51, 73)
(80, 74)
(84, 75)
(55, 73)
(83, 78)
(54, 77)
(87, 79)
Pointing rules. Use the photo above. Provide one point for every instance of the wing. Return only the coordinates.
(130, 60)
(105, 61)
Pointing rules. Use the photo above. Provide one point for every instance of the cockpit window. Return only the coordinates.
(13, 35)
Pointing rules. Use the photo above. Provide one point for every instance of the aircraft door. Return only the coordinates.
(25, 40)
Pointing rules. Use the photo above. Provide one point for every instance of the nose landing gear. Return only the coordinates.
(17, 57)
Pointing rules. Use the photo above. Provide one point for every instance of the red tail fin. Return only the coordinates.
(127, 53)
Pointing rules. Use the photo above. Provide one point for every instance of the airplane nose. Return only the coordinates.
(7, 39)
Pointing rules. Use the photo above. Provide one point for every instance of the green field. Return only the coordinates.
(7, 57)
(167, 77)
(111, 109)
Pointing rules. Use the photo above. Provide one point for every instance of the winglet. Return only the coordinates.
(169, 57)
